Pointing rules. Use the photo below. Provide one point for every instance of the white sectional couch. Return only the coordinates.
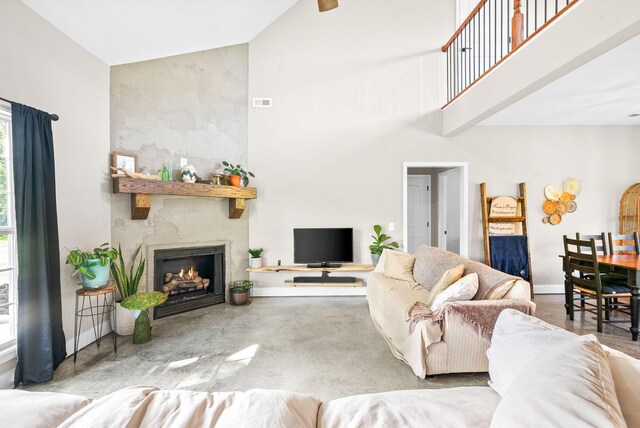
(543, 377)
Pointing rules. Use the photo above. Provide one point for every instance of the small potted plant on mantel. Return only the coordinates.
(379, 245)
(93, 266)
(240, 292)
(255, 261)
(237, 174)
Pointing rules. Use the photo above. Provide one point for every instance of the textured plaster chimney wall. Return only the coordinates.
(192, 106)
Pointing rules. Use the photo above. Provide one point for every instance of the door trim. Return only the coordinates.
(464, 199)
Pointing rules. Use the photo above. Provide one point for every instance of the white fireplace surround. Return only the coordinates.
(151, 249)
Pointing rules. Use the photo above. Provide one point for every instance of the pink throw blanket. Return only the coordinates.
(480, 314)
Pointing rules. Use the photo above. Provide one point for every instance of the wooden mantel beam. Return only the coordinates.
(141, 191)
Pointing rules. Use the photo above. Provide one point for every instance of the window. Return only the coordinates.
(8, 256)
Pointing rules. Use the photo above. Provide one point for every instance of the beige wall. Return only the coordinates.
(356, 92)
(43, 68)
(192, 106)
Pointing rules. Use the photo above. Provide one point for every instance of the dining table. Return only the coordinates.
(628, 264)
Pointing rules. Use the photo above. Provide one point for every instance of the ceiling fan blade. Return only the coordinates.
(325, 5)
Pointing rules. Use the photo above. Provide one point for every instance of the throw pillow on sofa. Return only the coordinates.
(448, 278)
(569, 386)
(463, 289)
(383, 259)
(518, 339)
(398, 265)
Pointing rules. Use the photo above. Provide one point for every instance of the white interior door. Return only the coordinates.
(442, 211)
(449, 210)
(418, 211)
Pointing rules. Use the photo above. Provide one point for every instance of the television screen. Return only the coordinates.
(322, 245)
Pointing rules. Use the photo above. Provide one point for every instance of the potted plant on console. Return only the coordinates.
(127, 283)
(379, 245)
(236, 173)
(255, 261)
(93, 266)
(240, 292)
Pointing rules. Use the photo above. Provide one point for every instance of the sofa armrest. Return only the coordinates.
(521, 290)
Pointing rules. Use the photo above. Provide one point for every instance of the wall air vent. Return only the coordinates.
(262, 102)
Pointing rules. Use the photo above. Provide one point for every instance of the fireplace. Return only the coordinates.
(192, 278)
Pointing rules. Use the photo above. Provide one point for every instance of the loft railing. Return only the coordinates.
(491, 32)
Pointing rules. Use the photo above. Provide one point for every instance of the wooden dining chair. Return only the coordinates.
(600, 241)
(600, 248)
(582, 273)
(620, 245)
(624, 244)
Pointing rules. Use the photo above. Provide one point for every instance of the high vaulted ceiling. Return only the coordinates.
(124, 31)
(604, 91)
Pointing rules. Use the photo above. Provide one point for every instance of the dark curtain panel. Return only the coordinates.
(41, 342)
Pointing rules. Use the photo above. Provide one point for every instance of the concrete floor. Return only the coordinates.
(551, 309)
(323, 346)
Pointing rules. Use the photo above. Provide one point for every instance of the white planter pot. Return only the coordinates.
(125, 320)
(255, 263)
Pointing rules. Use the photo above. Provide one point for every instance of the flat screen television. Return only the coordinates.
(325, 247)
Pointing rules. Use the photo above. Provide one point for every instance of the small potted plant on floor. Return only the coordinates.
(93, 266)
(240, 292)
(255, 261)
(127, 283)
(142, 302)
(236, 173)
(379, 244)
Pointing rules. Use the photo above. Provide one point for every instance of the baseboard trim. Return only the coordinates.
(308, 291)
(548, 289)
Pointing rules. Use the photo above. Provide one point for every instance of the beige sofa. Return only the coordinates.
(529, 405)
(454, 346)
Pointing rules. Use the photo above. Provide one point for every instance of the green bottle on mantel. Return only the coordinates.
(165, 175)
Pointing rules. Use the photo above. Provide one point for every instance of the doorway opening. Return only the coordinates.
(435, 206)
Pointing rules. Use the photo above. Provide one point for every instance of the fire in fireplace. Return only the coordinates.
(176, 283)
(191, 277)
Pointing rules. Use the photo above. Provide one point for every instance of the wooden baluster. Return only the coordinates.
(517, 25)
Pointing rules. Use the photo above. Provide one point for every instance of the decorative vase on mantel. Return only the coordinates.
(189, 174)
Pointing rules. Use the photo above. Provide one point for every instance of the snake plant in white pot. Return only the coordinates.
(127, 283)
(255, 261)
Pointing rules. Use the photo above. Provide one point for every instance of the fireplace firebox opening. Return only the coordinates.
(192, 278)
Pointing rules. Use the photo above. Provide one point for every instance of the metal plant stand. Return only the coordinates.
(97, 311)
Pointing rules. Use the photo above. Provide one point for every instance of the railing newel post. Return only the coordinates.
(517, 25)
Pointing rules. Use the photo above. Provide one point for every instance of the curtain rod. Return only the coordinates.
(54, 117)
